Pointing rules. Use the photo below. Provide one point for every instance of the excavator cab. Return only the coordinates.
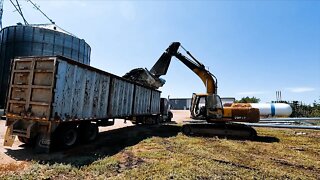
(214, 107)
(206, 106)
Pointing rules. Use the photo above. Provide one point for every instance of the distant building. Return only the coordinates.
(180, 103)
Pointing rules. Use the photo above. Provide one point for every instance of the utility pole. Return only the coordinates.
(1, 12)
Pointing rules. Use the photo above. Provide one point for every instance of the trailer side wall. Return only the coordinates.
(79, 92)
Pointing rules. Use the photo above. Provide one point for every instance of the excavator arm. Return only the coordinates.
(162, 65)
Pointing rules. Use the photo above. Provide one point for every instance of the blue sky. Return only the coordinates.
(254, 48)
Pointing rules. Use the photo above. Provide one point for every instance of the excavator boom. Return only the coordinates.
(161, 66)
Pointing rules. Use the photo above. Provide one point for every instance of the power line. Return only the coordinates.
(38, 8)
(18, 8)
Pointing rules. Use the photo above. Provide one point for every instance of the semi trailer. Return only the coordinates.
(56, 99)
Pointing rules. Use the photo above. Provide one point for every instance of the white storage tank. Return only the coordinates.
(273, 109)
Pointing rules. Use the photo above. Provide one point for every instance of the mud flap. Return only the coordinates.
(43, 142)
(9, 138)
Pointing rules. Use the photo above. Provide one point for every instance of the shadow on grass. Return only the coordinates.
(233, 131)
(265, 139)
(107, 144)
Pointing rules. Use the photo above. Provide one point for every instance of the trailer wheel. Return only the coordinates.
(170, 116)
(88, 132)
(68, 136)
(155, 120)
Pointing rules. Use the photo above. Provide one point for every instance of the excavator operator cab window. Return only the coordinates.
(214, 101)
(198, 106)
(214, 106)
(202, 101)
(202, 105)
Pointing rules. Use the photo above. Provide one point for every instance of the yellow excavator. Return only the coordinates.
(219, 120)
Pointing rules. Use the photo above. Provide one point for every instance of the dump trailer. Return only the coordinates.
(55, 100)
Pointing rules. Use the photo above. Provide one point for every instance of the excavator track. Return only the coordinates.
(219, 129)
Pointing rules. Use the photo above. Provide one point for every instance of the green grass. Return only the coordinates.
(277, 154)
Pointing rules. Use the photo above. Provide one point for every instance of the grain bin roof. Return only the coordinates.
(52, 27)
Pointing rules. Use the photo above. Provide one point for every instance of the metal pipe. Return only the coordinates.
(277, 121)
(282, 126)
(291, 119)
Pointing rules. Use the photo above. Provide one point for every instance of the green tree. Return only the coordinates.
(248, 100)
(315, 111)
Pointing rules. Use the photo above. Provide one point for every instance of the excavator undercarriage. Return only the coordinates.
(219, 129)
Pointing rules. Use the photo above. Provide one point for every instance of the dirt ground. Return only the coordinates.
(19, 154)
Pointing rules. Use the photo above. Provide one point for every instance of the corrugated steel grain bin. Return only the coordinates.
(56, 88)
(37, 40)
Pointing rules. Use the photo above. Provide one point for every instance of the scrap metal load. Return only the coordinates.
(144, 77)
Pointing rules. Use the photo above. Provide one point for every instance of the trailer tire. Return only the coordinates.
(68, 136)
(156, 120)
(42, 143)
(88, 132)
(170, 116)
